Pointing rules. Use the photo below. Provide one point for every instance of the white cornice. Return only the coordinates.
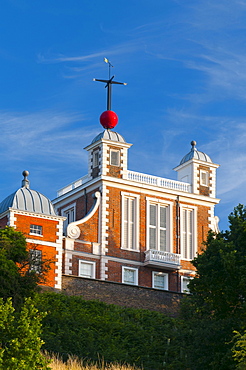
(129, 185)
(108, 142)
(33, 214)
(207, 164)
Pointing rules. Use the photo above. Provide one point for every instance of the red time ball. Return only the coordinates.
(108, 119)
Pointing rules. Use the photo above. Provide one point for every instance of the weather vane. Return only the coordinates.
(109, 84)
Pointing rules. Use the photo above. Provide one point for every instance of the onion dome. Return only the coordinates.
(26, 199)
(195, 154)
(109, 135)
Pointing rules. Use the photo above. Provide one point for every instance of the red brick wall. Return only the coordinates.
(23, 223)
(49, 255)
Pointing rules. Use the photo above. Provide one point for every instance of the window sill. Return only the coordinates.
(130, 250)
(34, 234)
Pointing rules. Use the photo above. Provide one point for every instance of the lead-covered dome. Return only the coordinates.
(26, 199)
(109, 135)
(195, 154)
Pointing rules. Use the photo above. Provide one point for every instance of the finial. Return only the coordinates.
(193, 144)
(109, 66)
(25, 182)
(109, 84)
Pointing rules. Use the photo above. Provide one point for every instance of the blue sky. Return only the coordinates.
(185, 67)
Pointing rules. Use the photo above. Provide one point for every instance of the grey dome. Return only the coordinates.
(109, 135)
(195, 154)
(25, 199)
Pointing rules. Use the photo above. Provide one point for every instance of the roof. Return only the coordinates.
(26, 199)
(109, 135)
(195, 154)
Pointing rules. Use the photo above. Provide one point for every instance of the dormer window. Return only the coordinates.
(114, 157)
(204, 178)
(36, 229)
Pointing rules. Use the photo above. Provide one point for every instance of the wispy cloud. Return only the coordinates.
(118, 49)
(42, 135)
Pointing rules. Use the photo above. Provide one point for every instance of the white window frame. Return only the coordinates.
(95, 158)
(165, 276)
(134, 242)
(206, 174)
(36, 230)
(185, 254)
(64, 212)
(93, 269)
(134, 270)
(169, 222)
(117, 151)
(183, 290)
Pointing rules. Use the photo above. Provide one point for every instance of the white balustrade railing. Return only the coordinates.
(72, 186)
(162, 256)
(138, 177)
(158, 181)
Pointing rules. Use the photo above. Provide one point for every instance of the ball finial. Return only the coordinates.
(25, 173)
(108, 119)
(25, 182)
(193, 143)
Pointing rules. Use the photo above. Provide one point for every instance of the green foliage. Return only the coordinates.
(92, 330)
(20, 342)
(17, 279)
(216, 305)
(239, 350)
(220, 289)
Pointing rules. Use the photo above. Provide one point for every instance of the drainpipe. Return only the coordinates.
(86, 201)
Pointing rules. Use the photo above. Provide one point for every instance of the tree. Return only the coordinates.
(17, 277)
(216, 306)
(219, 290)
(20, 342)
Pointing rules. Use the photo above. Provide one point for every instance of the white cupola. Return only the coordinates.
(198, 169)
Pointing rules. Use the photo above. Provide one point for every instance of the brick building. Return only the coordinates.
(118, 225)
(133, 228)
(33, 214)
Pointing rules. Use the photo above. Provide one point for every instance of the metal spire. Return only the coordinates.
(109, 84)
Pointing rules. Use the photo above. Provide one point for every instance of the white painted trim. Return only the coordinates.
(103, 231)
(182, 283)
(42, 242)
(93, 271)
(118, 157)
(206, 173)
(166, 280)
(135, 275)
(136, 198)
(194, 234)
(37, 215)
(131, 186)
(169, 221)
(70, 206)
(72, 229)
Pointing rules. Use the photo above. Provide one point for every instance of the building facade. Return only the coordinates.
(118, 225)
(134, 228)
(32, 213)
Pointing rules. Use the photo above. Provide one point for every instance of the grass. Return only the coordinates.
(74, 363)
